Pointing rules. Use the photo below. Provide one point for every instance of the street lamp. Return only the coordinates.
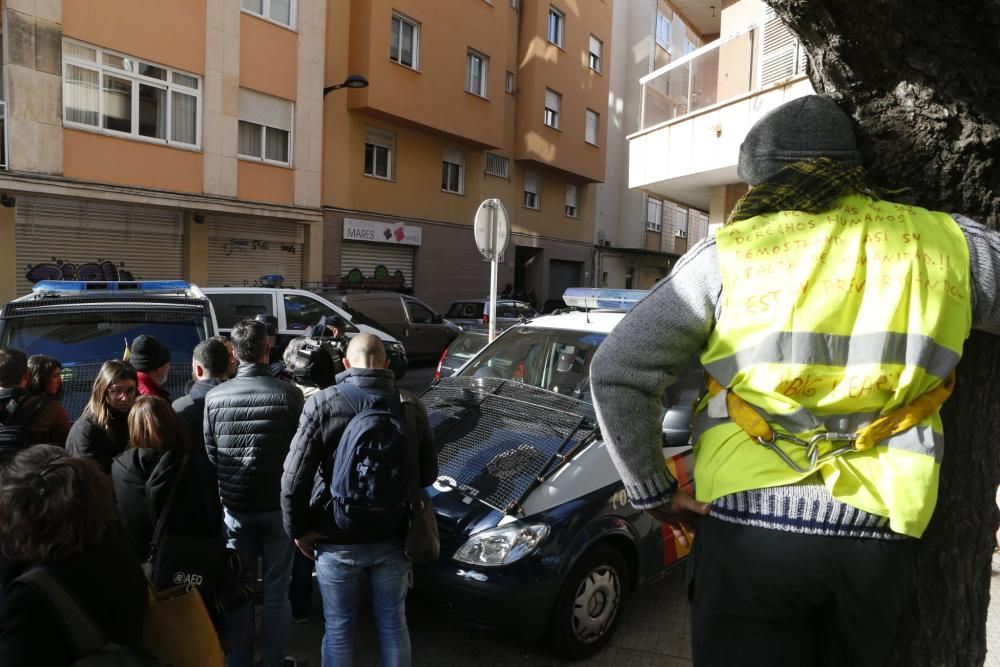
(352, 81)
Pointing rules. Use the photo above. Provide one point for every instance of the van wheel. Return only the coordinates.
(590, 604)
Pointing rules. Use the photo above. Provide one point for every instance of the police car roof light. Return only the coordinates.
(612, 299)
(80, 286)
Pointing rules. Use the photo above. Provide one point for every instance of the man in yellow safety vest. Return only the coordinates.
(829, 322)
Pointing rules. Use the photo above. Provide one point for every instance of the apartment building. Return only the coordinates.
(466, 101)
(149, 139)
(697, 109)
(640, 235)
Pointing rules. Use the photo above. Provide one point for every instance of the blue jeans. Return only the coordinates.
(253, 534)
(338, 571)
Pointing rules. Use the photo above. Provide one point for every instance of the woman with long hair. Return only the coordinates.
(45, 382)
(158, 458)
(101, 432)
(56, 511)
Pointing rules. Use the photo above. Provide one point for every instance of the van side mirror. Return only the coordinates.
(677, 426)
(437, 319)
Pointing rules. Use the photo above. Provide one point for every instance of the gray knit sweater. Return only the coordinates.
(657, 340)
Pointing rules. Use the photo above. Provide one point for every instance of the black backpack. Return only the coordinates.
(91, 647)
(15, 416)
(368, 484)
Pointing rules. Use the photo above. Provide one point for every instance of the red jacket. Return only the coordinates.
(149, 386)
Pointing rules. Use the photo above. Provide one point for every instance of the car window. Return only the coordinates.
(553, 359)
(419, 314)
(231, 308)
(526, 311)
(302, 312)
(84, 338)
(467, 345)
(506, 310)
(466, 310)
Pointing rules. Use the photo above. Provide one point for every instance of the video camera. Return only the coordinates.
(316, 359)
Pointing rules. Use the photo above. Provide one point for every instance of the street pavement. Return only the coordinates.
(655, 629)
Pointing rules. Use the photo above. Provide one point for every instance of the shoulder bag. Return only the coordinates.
(422, 543)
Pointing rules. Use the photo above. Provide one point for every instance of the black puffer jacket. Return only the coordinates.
(87, 440)
(305, 486)
(142, 481)
(249, 424)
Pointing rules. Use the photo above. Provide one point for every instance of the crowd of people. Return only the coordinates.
(242, 465)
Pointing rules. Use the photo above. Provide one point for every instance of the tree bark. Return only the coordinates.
(920, 79)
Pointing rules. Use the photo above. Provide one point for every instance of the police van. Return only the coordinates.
(537, 535)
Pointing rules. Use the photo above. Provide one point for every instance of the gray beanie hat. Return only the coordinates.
(805, 128)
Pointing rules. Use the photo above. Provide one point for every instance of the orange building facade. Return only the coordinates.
(154, 140)
(467, 101)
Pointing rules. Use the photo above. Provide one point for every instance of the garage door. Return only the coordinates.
(242, 250)
(376, 266)
(563, 275)
(87, 240)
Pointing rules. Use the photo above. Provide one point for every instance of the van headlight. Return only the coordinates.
(503, 545)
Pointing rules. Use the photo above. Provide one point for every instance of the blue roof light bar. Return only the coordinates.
(612, 299)
(82, 286)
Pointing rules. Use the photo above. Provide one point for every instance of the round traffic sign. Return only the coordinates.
(492, 228)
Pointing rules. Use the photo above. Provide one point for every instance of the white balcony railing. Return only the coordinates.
(728, 68)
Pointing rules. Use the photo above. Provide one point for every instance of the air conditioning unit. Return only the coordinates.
(681, 233)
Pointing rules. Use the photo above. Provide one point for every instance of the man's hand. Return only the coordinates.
(680, 514)
(306, 544)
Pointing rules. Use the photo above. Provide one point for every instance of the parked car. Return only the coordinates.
(537, 534)
(475, 313)
(84, 324)
(296, 310)
(423, 332)
(463, 348)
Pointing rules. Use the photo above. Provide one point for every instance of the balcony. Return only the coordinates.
(697, 110)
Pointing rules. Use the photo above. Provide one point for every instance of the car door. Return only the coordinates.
(426, 333)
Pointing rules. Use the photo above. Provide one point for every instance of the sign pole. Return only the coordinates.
(493, 273)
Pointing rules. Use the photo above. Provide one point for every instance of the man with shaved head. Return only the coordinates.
(343, 549)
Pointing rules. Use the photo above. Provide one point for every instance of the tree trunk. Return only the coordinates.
(920, 79)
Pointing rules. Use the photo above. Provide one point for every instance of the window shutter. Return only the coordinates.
(265, 110)
(551, 99)
(454, 156)
(595, 46)
(571, 195)
(373, 135)
(781, 54)
(531, 182)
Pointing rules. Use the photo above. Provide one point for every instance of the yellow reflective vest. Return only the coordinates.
(828, 321)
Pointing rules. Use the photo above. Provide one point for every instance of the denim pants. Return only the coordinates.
(339, 570)
(253, 534)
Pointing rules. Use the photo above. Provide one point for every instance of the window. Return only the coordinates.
(689, 46)
(556, 20)
(553, 101)
(405, 48)
(593, 126)
(475, 73)
(419, 314)
(531, 190)
(595, 53)
(265, 128)
(654, 214)
(497, 165)
(508, 83)
(378, 153)
(279, 11)
(303, 312)
(453, 171)
(120, 94)
(230, 308)
(662, 30)
(571, 210)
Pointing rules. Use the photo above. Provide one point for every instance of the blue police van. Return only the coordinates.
(537, 535)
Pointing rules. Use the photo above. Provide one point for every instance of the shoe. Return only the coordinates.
(299, 620)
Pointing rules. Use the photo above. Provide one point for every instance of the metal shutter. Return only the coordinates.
(563, 274)
(782, 56)
(241, 250)
(76, 238)
(367, 256)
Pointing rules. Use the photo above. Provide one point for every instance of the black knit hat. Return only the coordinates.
(148, 354)
(805, 128)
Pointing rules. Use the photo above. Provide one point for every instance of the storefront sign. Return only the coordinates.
(395, 233)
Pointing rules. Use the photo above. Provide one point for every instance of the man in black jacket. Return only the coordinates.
(341, 556)
(249, 423)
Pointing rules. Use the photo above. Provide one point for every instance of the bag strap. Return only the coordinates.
(83, 632)
(413, 481)
(161, 522)
(27, 410)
